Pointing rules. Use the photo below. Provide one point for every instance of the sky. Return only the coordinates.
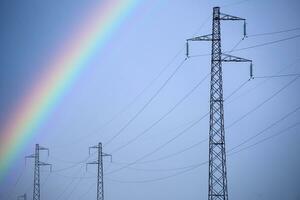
(139, 96)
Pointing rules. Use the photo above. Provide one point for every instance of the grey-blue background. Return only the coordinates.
(146, 42)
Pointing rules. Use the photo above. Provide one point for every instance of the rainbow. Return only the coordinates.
(34, 109)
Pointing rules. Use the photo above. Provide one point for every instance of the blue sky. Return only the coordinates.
(144, 45)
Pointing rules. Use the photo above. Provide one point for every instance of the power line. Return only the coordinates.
(77, 163)
(268, 43)
(191, 122)
(267, 128)
(230, 95)
(147, 103)
(267, 138)
(138, 96)
(197, 121)
(87, 192)
(277, 76)
(191, 125)
(262, 103)
(163, 116)
(251, 47)
(264, 81)
(175, 153)
(157, 170)
(69, 185)
(194, 124)
(124, 109)
(192, 167)
(237, 89)
(275, 32)
(158, 148)
(161, 178)
(236, 3)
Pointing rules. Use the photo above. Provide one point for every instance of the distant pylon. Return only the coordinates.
(23, 197)
(217, 184)
(99, 163)
(37, 163)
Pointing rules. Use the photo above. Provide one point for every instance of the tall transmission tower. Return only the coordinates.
(37, 164)
(24, 197)
(99, 163)
(217, 183)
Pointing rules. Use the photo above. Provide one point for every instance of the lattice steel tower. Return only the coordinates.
(37, 163)
(217, 184)
(24, 197)
(99, 163)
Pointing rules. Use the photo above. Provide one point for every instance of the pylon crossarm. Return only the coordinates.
(93, 147)
(27, 157)
(90, 163)
(93, 163)
(46, 164)
(44, 149)
(22, 197)
(229, 17)
(198, 38)
(231, 58)
(108, 155)
(30, 156)
(234, 18)
(201, 38)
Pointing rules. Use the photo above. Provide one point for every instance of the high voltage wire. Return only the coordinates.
(236, 50)
(267, 128)
(192, 167)
(181, 100)
(138, 96)
(267, 138)
(275, 32)
(192, 124)
(195, 123)
(229, 96)
(173, 154)
(74, 188)
(163, 116)
(71, 182)
(267, 43)
(88, 191)
(124, 109)
(169, 176)
(253, 46)
(235, 3)
(16, 183)
(147, 103)
(266, 80)
(277, 76)
(262, 103)
(209, 54)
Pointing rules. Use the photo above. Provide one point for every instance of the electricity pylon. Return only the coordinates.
(37, 163)
(24, 197)
(99, 163)
(217, 183)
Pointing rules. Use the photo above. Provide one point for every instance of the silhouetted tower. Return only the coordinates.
(217, 184)
(23, 197)
(99, 163)
(37, 163)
